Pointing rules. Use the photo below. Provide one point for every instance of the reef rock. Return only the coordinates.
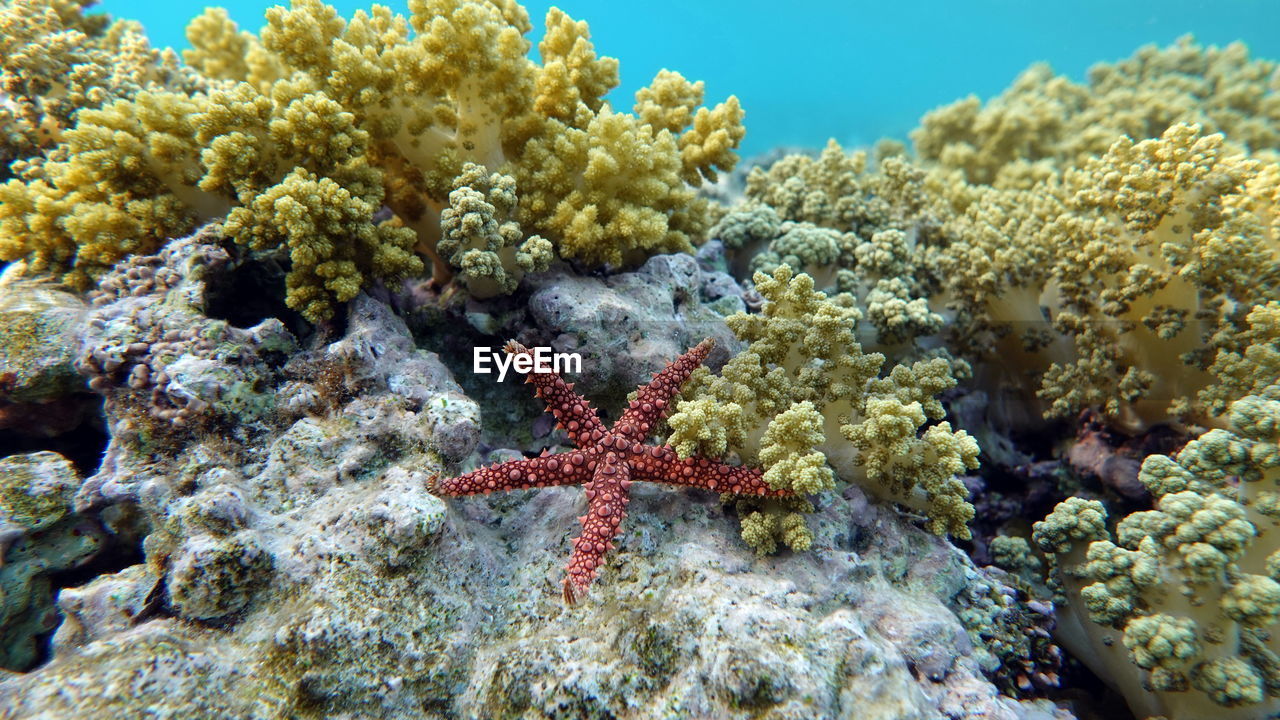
(388, 604)
(297, 567)
(38, 324)
(41, 394)
(626, 326)
(40, 534)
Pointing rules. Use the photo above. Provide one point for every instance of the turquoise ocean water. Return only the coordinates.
(855, 71)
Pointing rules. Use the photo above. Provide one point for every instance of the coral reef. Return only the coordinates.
(181, 386)
(212, 577)
(1179, 614)
(317, 125)
(624, 326)
(805, 402)
(221, 270)
(55, 60)
(110, 604)
(853, 231)
(1081, 246)
(296, 564)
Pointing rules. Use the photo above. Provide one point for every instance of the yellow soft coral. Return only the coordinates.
(1074, 265)
(1044, 117)
(290, 171)
(55, 61)
(221, 50)
(808, 404)
(1113, 285)
(851, 230)
(571, 73)
(671, 103)
(1150, 260)
(380, 110)
(627, 200)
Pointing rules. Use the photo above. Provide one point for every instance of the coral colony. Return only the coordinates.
(247, 314)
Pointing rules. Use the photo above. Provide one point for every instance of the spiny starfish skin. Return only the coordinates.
(608, 461)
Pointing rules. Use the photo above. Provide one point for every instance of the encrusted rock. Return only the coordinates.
(627, 326)
(38, 326)
(150, 349)
(109, 605)
(213, 577)
(399, 521)
(40, 534)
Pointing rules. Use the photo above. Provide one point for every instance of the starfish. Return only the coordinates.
(607, 461)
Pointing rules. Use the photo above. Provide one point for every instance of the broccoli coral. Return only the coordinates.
(55, 61)
(1141, 261)
(480, 239)
(308, 131)
(1074, 266)
(1112, 284)
(808, 404)
(1047, 118)
(851, 231)
(1191, 589)
(827, 191)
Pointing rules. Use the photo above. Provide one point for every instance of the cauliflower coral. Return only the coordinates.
(808, 405)
(1116, 285)
(1092, 246)
(1179, 610)
(55, 60)
(1112, 285)
(312, 128)
(1043, 118)
(829, 218)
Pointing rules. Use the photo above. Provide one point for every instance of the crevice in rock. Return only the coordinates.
(246, 293)
(120, 552)
(77, 424)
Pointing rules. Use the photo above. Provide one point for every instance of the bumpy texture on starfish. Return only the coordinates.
(607, 461)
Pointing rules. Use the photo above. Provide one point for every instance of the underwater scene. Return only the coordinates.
(465, 359)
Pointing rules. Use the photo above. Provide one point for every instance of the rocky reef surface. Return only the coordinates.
(290, 562)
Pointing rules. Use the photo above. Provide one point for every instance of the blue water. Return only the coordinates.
(855, 71)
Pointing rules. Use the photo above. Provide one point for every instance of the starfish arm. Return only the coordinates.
(652, 400)
(569, 468)
(607, 496)
(660, 464)
(571, 410)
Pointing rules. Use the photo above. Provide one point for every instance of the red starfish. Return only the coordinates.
(607, 461)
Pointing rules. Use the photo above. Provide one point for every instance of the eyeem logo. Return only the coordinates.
(537, 359)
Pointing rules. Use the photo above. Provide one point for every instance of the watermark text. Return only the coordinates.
(537, 360)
